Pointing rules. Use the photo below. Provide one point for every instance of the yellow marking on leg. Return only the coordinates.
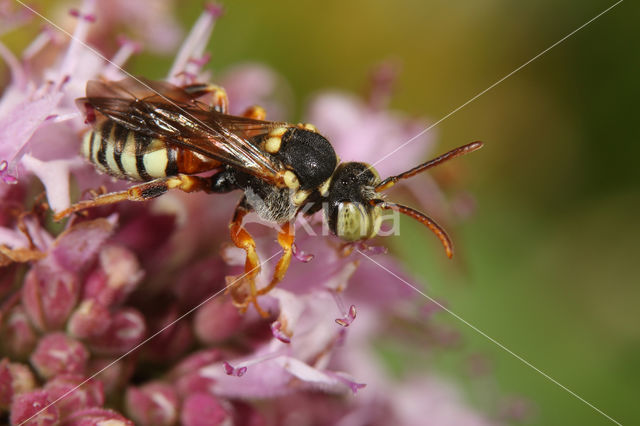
(272, 144)
(308, 126)
(299, 197)
(291, 180)
(324, 188)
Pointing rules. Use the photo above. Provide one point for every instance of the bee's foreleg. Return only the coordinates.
(142, 192)
(218, 96)
(286, 237)
(243, 296)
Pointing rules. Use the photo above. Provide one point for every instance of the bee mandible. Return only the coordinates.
(165, 136)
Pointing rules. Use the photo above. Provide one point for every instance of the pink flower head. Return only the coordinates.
(52, 287)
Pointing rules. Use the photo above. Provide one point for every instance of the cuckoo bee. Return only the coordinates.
(166, 136)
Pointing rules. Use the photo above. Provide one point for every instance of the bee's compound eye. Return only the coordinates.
(356, 221)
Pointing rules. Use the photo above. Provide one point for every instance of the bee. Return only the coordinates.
(166, 136)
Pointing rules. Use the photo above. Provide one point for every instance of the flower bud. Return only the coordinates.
(116, 276)
(199, 281)
(111, 373)
(89, 319)
(15, 379)
(126, 330)
(153, 404)
(23, 379)
(57, 353)
(186, 375)
(217, 320)
(71, 397)
(6, 385)
(195, 361)
(97, 417)
(199, 407)
(34, 409)
(49, 297)
(193, 382)
(18, 336)
(247, 415)
(175, 339)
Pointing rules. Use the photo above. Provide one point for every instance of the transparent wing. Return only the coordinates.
(162, 110)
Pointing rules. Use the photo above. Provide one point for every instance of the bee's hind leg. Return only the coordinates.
(218, 99)
(243, 288)
(142, 192)
(286, 237)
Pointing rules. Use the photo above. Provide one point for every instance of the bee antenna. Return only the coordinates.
(465, 149)
(422, 218)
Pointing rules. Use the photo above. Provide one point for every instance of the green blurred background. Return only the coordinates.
(548, 263)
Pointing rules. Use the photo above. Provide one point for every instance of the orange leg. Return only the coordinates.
(256, 112)
(244, 289)
(286, 237)
(217, 96)
(143, 192)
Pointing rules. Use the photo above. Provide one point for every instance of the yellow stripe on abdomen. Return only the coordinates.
(128, 158)
(86, 145)
(155, 161)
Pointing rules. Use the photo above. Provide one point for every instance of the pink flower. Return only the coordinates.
(34, 408)
(202, 409)
(227, 321)
(127, 328)
(15, 379)
(73, 394)
(57, 353)
(18, 334)
(117, 275)
(155, 403)
(90, 319)
(153, 23)
(97, 417)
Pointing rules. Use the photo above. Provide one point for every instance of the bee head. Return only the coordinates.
(355, 205)
(349, 210)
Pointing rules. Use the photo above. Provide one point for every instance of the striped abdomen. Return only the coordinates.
(127, 154)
